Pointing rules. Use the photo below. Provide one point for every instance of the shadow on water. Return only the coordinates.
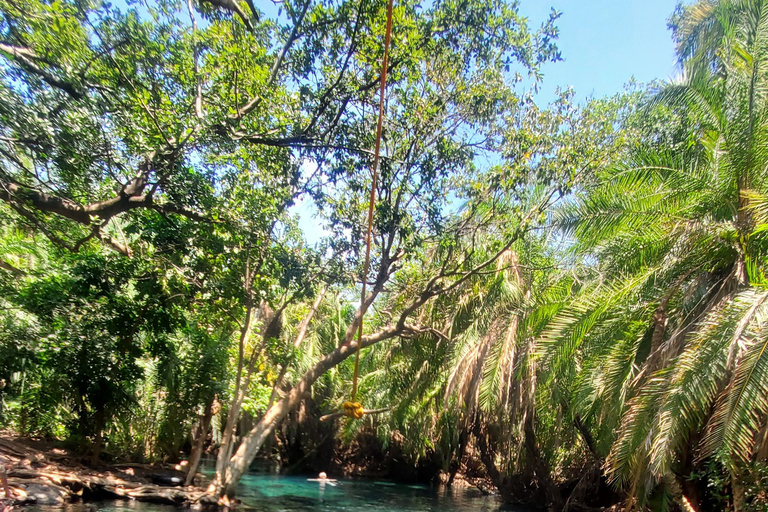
(268, 493)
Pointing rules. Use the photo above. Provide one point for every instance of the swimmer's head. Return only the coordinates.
(322, 475)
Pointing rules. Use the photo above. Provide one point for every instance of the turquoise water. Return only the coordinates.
(296, 494)
(266, 493)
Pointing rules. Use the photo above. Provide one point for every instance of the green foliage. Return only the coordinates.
(150, 157)
(662, 349)
(564, 287)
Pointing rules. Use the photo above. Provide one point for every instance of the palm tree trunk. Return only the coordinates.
(586, 436)
(684, 500)
(739, 495)
(488, 459)
(540, 465)
(456, 462)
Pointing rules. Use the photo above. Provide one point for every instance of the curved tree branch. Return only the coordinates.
(26, 59)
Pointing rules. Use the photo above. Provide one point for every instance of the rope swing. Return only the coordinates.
(352, 408)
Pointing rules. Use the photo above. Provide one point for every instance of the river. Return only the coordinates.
(269, 493)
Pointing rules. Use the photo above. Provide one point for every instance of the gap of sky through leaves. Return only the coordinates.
(604, 45)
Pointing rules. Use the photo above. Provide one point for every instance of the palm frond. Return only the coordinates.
(743, 405)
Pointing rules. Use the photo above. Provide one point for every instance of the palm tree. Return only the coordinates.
(471, 380)
(664, 349)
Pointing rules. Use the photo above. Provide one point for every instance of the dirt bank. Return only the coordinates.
(40, 473)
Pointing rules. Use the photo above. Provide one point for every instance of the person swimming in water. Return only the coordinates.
(323, 479)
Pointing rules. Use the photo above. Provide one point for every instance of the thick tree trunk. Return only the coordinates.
(226, 481)
(100, 420)
(271, 330)
(227, 440)
(199, 442)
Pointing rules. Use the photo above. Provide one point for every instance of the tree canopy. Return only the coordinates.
(566, 300)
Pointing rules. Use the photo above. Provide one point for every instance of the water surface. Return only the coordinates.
(296, 494)
(268, 493)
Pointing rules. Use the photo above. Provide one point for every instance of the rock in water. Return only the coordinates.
(167, 479)
(45, 495)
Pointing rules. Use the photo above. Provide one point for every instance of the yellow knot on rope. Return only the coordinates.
(353, 410)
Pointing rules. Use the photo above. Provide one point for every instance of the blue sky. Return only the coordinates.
(605, 43)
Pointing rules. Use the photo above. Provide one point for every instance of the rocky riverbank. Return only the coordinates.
(40, 473)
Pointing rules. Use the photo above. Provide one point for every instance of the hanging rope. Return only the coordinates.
(351, 408)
